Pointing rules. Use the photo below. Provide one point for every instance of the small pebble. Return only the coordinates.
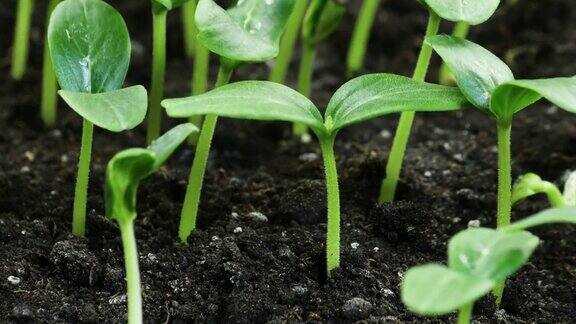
(427, 174)
(385, 134)
(474, 223)
(30, 156)
(215, 238)
(64, 158)
(299, 290)
(23, 312)
(387, 292)
(356, 308)
(306, 138)
(238, 230)
(354, 245)
(14, 280)
(25, 169)
(308, 157)
(235, 215)
(151, 257)
(117, 300)
(258, 217)
(376, 249)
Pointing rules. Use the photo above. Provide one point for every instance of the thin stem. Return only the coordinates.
(305, 75)
(159, 14)
(189, 27)
(461, 30)
(280, 69)
(189, 212)
(132, 272)
(199, 83)
(465, 314)
(49, 85)
(364, 24)
(333, 192)
(21, 38)
(398, 150)
(555, 197)
(81, 191)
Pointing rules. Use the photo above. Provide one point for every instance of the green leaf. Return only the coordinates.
(528, 185)
(115, 111)
(473, 12)
(248, 32)
(490, 254)
(170, 4)
(434, 289)
(258, 100)
(549, 216)
(477, 71)
(374, 95)
(164, 146)
(89, 45)
(322, 19)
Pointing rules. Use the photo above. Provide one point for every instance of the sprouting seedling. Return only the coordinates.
(531, 184)
(49, 83)
(123, 175)
(471, 12)
(21, 38)
(489, 85)
(361, 35)
(322, 19)
(478, 260)
(361, 99)
(90, 49)
(160, 9)
(248, 32)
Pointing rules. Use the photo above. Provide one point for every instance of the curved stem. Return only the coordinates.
(460, 30)
(199, 83)
(555, 197)
(398, 150)
(132, 272)
(189, 214)
(189, 27)
(49, 85)
(305, 75)
(280, 69)
(21, 38)
(159, 14)
(465, 314)
(364, 24)
(82, 179)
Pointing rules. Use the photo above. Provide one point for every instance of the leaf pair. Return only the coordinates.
(471, 12)
(478, 258)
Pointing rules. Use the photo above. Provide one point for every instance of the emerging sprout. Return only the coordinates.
(49, 83)
(21, 38)
(361, 35)
(361, 99)
(478, 260)
(123, 175)
(470, 12)
(531, 184)
(90, 48)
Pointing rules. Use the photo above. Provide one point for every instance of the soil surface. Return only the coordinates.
(258, 255)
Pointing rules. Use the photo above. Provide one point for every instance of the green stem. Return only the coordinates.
(189, 212)
(199, 84)
(280, 69)
(189, 27)
(132, 272)
(333, 192)
(364, 24)
(465, 314)
(555, 196)
(81, 191)
(49, 85)
(305, 74)
(159, 14)
(398, 150)
(21, 38)
(460, 30)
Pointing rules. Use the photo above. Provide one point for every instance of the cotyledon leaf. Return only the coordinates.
(548, 216)
(166, 144)
(473, 12)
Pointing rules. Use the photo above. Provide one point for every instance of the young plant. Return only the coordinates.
(361, 99)
(471, 12)
(21, 38)
(322, 19)
(361, 35)
(461, 30)
(49, 83)
(248, 32)
(478, 259)
(90, 49)
(531, 184)
(123, 175)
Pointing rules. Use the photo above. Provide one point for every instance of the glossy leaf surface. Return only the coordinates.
(165, 145)
(473, 12)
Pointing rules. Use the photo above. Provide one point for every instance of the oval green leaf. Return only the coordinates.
(166, 144)
(374, 95)
(115, 111)
(89, 45)
(565, 215)
(473, 12)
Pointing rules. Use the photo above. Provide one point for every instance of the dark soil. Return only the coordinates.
(241, 268)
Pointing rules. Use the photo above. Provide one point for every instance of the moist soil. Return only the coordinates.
(258, 255)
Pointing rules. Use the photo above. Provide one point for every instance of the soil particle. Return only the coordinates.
(356, 308)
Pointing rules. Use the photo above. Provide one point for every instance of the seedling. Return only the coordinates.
(531, 184)
(361, 99)
(49, 83)
(460, 30)
(478, 260)
(90, 49)
(248, 32)
(123, 175)
(471, 12)
(21, 38)
(322, 19)
(361, 35)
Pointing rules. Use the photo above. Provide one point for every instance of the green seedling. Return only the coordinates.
(531, 184)
(478, 260)
(322, 19)
(460, 30)
(470, 12)
(49, 83)
(189, 27)
(90, 49)
(124, 173)
(361, 36)
(248, 32)
(21, 38)
(361, 99)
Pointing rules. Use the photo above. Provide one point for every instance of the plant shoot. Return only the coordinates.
(21, 38)
(531, 184)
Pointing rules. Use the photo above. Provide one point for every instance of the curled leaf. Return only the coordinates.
(528, 185)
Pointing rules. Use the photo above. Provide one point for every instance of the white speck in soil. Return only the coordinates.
(356, 308)
(235, 215)
(552, 110)
(376, 249)
(385, 134)
(117, 300)
(30, 156)
(23, 232)
(308, 157)
(456, 220)
(215, 238)
(458, 157)
(25, 169)
(447, 146)
(151, 257)
(427, 174)
(387, 292)
(258, 217)
(306, 138)
(238, 230)
(474, 223)
(14, 280)
(299, 290)
(64, 158)
(53, 193)
(56, 133)
(354, 245)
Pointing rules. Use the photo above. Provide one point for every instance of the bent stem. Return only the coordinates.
(333, 193)
(81, 191)
(49, 83)
(189, 214)
(21, 38)
(555, 196)
(398, 150)
(305, 74)
(189, 27)
(460, 30)
(132, 271)
(364, 23)
(199, 84)
(159, 14)
(280, 69)
(465, 314)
